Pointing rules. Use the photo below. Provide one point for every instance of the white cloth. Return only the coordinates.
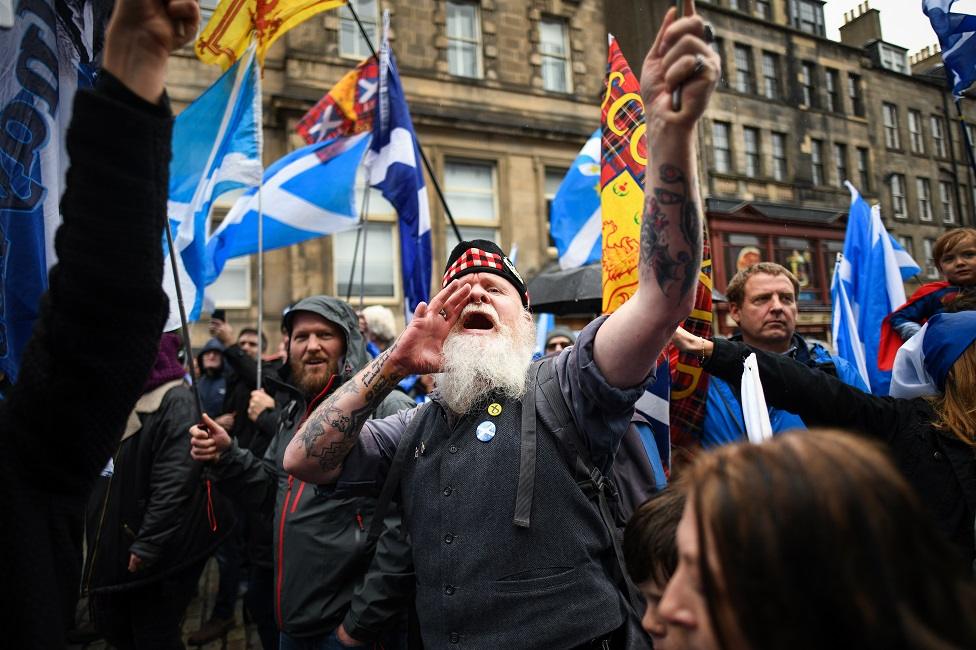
(754, 410)
(909, 379)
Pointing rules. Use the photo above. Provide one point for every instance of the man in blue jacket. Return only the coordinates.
(762, 301)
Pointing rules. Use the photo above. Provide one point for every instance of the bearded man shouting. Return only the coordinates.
(490, 571)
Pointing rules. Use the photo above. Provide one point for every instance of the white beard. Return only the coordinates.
(477, 365)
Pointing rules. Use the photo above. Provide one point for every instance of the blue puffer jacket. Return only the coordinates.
(724, 422)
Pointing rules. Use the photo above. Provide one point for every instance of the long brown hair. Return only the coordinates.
(955, 409)
(815, 540)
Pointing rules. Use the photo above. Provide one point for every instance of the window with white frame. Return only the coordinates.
(779, 156)
(808, 16)
(808, 94)
(931, 270)
(744, 82)
(464, 39)
(770, 72)
(722, 146)
(554, 178)
(376, 267)
(750, 137)
(889, 113)
(351, 42)
(916, 141)
(945, 199)
(923, 190)
(840, 162)
(863, 169)
(557, 73)
(832, 79)
(898, 205)
(764, 9)
(232, 290)
(854, 93)
(470, 190)
(938, 136)
(893, 59)
(817, 162)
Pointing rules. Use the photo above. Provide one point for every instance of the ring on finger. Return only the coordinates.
(709, 35)
(443, 312)
(699, 65)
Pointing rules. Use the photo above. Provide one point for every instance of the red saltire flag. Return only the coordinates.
(347, 109)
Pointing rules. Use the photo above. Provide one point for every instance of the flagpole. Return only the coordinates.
(184, 325)
(362, 266)
(363, 209)
(260, 282)
(423, 156)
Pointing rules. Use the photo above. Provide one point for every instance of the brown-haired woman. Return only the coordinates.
(812, 540)
(932, 439)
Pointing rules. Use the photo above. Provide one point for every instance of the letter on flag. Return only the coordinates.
(347, 109)
(956, 34)
(576, 222)
(230, 28)
(216, 149)
(394, 168)
(306, 194)
(870, 287)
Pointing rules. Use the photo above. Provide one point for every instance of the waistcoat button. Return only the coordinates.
(454, 637)
(447, 491)
(449, 590)
(938, 455)
(448, 538)
(452, 449)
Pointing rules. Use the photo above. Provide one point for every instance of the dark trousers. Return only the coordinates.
(229, 556)
(149, 616)
(260, 605)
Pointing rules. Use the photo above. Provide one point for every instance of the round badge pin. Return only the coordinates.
(486, 431)
(494, 409)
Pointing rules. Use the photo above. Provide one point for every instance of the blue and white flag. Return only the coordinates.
(956, 34)
(216, 149)
(872, 272)
(575, 222)
(308, 193)
(543, 323)
(394, 168)
(655, 405)
(846, 339)
(48, 53)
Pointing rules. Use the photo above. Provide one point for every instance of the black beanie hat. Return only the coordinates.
(482, 256)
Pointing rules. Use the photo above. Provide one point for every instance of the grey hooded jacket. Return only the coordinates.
(325, 572)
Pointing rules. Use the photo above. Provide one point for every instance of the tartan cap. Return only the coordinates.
(483, 256)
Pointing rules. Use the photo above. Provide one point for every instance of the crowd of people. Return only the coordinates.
(446, 487)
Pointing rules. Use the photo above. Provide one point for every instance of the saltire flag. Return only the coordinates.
(48, 53)
(956, 34)
(872, 272)
(216, 149)
(543, 323)
(655, 406)
(843, 325)
(576, 223)
(624, 157)
(394, 168)
(229, 30)
(306, 194)
(347, 109)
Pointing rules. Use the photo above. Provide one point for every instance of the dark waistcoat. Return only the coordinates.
(483, 582)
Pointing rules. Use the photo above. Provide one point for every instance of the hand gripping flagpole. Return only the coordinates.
(423, 156)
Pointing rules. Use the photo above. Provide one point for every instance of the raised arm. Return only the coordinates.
(671, 233)
(316, 452)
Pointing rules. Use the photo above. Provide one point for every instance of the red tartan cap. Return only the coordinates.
(483, 256)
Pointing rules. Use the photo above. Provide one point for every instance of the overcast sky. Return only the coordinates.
(902, 21)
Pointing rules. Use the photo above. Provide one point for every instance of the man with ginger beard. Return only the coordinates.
(324, 588)
(508, 550)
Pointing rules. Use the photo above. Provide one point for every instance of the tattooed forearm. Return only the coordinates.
(332, 429)
(671, 235)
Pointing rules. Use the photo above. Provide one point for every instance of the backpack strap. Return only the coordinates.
(392, 483)
(527, 453)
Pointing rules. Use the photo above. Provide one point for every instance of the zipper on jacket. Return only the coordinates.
(362, 528)
(281, 551)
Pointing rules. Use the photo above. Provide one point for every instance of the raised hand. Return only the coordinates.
(418, 350)
(207, 444)
(680, 57)
(140, 37)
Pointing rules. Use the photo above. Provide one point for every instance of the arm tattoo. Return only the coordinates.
(373, 384)
(672, 253)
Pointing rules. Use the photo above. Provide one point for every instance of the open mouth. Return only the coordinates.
(478, 321)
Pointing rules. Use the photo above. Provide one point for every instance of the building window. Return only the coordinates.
(734, 4)
(554, 47)
(463, 39)
(232, 290)
(931, 270)
(915, 139)
(945, 198)
(808, 94)
(796, 254)
(764, 9)
(554, 178)
(898, 207)
(770, 72)
(816, 158)
(779, 156)
(832, 78)
(469, 187)
(808, 16)
(722, 146)
(743, 69)
(906, 242)
(890, 115)
(840, 162)
(351, 42)
(963, 207)
(863, 169)
(938, 136)
(718, 46)
(376, 265)
(893, 58)
(750, 137)
(854, 92)
(924, 191)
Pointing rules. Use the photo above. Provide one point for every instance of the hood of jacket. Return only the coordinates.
(338, 312)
